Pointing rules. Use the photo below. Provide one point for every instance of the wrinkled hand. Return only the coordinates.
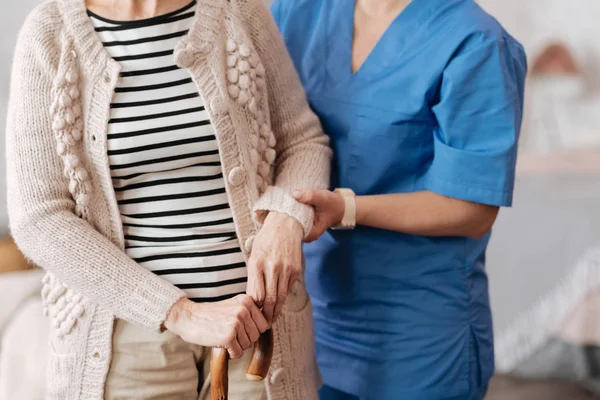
(329, 210)
(275, 263)
(233, 324)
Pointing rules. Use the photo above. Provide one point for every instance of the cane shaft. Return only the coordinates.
(257, 369)
(219, 380)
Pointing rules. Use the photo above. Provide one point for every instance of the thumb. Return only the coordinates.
(309, 197)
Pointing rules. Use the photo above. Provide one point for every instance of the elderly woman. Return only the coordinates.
(152, 147)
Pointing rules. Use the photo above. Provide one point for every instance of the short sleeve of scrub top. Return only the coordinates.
(479, 114)
(436, 106)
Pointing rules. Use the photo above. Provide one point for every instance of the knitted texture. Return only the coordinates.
(62, 205)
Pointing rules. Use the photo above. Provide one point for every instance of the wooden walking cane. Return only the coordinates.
(257, 369)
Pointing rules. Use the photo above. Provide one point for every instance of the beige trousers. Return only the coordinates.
(147, 365)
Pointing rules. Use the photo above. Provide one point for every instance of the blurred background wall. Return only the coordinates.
(556, 217)
(562, 109)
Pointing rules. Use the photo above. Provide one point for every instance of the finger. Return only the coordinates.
(316, 198)
(242, 337)
(312, 236)
(282, 293)
(259, 319)
(271, 287)
(315, 233)
(250, 325)
(256, 281)
(305, 196)
(246, 319)
(235, 350)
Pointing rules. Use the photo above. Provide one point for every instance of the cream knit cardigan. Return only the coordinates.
(62, 206)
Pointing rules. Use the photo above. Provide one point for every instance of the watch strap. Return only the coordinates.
(349, 218)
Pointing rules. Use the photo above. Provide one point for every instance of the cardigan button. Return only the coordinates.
(96, 355)
(184, 58)
(237, 176)
(218, 106)
(249, 243)
(277, 376)
(107, 77)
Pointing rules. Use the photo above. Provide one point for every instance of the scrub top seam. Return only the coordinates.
(469, 185)
(468, 286)
(328, 78)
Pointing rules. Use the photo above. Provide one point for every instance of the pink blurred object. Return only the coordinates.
(583, 161)
(582, 326)
(555, 59)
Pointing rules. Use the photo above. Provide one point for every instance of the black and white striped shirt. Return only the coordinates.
(165, 163)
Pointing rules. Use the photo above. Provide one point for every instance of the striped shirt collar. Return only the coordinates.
(94, 57)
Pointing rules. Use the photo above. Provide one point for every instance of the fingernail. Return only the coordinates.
(297, 194)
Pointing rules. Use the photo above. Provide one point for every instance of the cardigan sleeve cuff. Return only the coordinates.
(281, 200)
(153, 306)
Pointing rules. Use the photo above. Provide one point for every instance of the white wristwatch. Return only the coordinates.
(349, 219)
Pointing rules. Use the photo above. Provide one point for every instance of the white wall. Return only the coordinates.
(561, 112)
(537, 22)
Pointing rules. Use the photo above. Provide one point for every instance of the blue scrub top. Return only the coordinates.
(436, 106)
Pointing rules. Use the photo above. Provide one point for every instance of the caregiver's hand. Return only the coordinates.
(423, 213)
(233, 324)
(275, 263)
(329, 210)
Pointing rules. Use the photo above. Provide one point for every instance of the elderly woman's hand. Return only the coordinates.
(329, 210)
(233, 324)
(275, 263)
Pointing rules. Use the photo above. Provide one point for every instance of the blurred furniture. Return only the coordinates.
(505, 387)
(555, 59)
(535, 244)
(23, 329)
(11, 259)
(23, 336)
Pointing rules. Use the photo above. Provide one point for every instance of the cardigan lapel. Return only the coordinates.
(208, 23)
(94, 58)
(199, 41)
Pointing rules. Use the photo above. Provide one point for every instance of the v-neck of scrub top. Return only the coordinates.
(400, 32)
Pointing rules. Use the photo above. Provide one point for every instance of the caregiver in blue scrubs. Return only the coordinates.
(423, 101)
